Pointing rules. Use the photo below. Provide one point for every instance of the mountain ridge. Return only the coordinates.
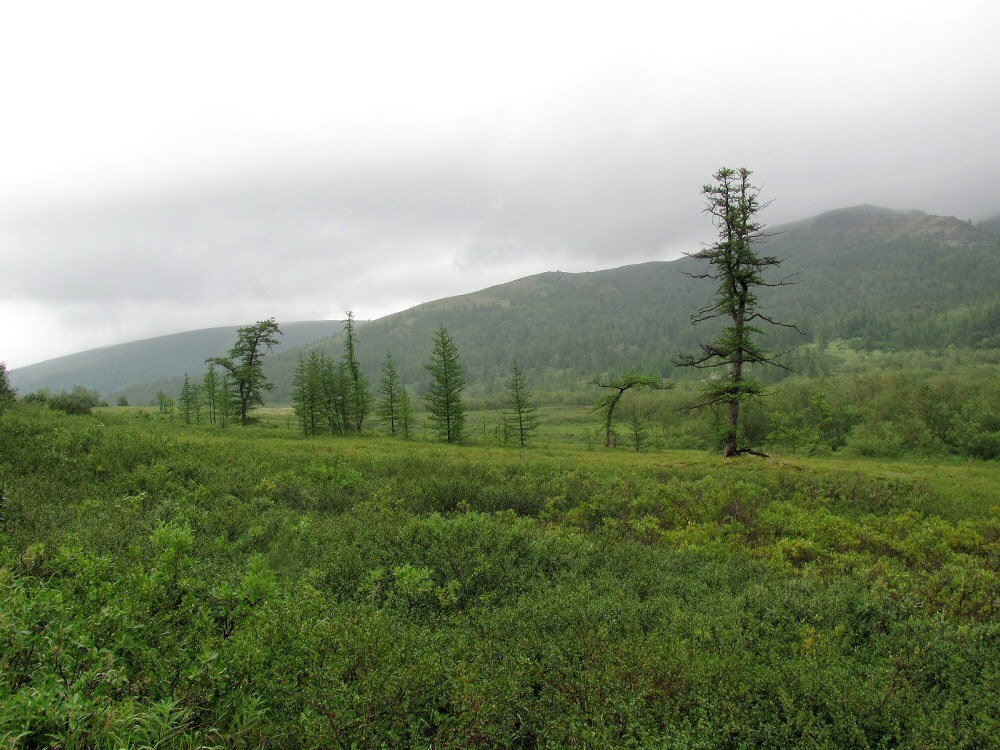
(877, 276)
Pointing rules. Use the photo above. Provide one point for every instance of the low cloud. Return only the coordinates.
(600, 176)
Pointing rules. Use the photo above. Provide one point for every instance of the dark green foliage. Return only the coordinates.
(519, 414)
(245, 365)
(307, 393)
(78, 401)
(189, 402)
(445, 410)
(225, 400)
(326, 397)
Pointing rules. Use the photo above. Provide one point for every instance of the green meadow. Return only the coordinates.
(171, 585)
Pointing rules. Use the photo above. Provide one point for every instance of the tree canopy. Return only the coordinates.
(245, 364)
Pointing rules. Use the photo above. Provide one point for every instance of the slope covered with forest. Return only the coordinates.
(880, 279)
(876, 278)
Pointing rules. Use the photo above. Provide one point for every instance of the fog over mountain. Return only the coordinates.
(301, 163)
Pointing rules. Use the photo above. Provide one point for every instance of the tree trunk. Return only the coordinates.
(734, 418)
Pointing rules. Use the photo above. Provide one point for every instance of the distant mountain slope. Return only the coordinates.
(113, 369)
(885, 278)
(991, 226)
(881, 278)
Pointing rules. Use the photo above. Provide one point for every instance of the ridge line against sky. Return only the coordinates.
(181, 166)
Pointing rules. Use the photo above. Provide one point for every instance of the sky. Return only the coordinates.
(173, 166)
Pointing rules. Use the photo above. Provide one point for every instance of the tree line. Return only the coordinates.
(333, 397)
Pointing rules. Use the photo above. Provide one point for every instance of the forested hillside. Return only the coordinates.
(876, 278)
(880, 279)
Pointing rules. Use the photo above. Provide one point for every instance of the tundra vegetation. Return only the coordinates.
(183, 585)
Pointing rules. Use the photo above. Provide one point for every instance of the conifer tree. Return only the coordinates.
(196, 403)
(245, 365)
(307, 393)
(405, 415)
(210, 392)
(225, 400)
(445, 410)
(733, 203)
(388, 408)
(185, 402)
(520, 412)
(360, 396)
(637, 426)
(299, 395)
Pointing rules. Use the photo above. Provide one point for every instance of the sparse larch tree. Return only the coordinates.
(637, 426)
(225, 400)
(405, 413)
(445, 410)
(520, 412)
(210, 392)
(185, 402)
(388, 408)
(733, 203)
(617, 388)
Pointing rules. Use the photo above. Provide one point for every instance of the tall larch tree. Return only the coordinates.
(445, 410)
(733, 202)
(360, 396)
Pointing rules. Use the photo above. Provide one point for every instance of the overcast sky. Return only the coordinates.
(171, 166)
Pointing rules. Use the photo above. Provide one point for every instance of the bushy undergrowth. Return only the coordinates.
(164, 587)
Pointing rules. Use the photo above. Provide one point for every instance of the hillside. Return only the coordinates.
(875, 277)
(114, 369)
(992, 226)
(879, 278)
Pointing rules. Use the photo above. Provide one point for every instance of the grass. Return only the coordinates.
(187, 586)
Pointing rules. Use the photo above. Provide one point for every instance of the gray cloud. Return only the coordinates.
(586, 171)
